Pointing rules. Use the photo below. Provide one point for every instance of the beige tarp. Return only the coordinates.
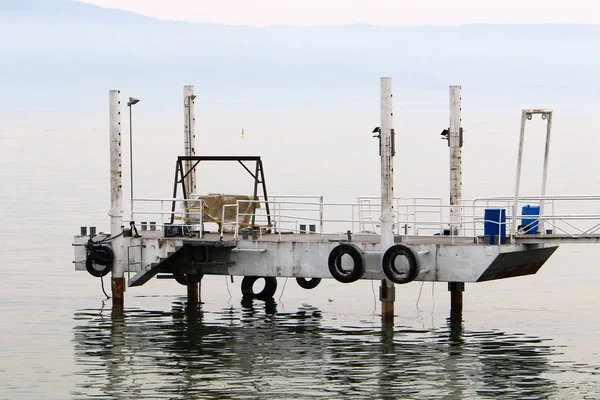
(213, 209)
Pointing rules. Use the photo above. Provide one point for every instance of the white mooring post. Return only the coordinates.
(189, 140)
(116, 200)
(189, 143)
(386, 143)
(455, 142)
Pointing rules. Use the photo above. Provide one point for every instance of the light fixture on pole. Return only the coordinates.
(130, 103)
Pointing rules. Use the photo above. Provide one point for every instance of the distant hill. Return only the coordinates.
(68, 46)
(60, 8)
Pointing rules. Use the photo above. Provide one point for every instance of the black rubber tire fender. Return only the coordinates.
(91, 267)
(308, 283)
(102, 255)
(267, 292)
(335, 263)
(389, 268)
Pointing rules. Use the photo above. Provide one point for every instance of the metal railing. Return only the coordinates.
(556, 215)
(157, 213)
(411, 213)
(413, 216)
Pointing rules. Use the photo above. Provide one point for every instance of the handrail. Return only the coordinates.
(422, 215)
(191, 219)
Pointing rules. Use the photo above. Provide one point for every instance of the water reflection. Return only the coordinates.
(252, 351)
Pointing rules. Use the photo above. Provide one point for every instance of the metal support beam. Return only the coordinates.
(266, 197)
(387, 195)
(116, 200)
(258, 176)
(548, 117)
(255, 193)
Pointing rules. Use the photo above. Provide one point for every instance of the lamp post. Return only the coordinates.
(132, 101)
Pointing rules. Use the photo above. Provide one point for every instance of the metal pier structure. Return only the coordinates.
(391, 239)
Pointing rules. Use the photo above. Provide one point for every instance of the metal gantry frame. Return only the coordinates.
(526, 115)
(258, 175)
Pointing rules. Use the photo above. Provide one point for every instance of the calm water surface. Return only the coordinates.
(530, 337)
(64, 342)
(253, 351)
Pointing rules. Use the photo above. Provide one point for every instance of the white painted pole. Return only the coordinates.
(455, 142)
(387, 165)
(189, 139)
(545, 172)
(131, 163)
(518, 177)
(116, 198)
(116, 169)
(386, 142)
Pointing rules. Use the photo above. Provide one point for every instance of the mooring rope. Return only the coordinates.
(284, 283)
(374, 298)
(432, 297)
(419, 298)
(227, 283)
(103, 291)
(107, 239)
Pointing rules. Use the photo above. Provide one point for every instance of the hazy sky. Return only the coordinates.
(376, 12)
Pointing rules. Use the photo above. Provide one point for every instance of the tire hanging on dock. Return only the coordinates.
(308, 283)
(389, 264)
(340, 273)
(99, 259)
(267, 292)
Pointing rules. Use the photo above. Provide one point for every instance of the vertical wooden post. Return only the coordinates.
(456, 290)
(192, 292)
(193, 289)
(116, 201)
(387, 295)
(386, 150)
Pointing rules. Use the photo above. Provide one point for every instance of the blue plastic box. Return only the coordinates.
(495, 224)
(530, 225)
